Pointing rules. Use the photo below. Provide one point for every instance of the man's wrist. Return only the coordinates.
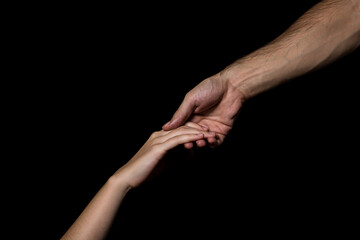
(259, 71)
(244, 77)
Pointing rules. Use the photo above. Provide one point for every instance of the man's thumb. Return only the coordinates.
(180, 116)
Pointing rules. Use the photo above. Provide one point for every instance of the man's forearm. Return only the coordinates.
(323, 34)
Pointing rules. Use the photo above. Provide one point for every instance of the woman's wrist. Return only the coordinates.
(117, 181)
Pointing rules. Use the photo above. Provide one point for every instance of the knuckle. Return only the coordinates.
(189, 96)
(190, 124)
(154, 135)
(185, 128)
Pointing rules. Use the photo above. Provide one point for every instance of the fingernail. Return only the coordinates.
(200, 134)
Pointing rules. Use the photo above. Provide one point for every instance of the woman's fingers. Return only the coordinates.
(181, 131)
(181, 139)
(188, 128)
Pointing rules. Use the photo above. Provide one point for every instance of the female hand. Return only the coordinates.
(144, 162)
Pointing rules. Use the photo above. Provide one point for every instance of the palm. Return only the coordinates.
(216, 106)
(213, 104)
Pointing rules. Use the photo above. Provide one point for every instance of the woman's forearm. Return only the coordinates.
(323, 34)
(96, 219)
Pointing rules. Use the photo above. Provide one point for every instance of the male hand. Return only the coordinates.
(214, 105)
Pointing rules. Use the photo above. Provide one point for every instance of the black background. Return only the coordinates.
(103, 78)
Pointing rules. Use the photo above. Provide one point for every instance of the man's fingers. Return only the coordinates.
(181, 115)
(216, 141)
(189, 145)
(201, 143)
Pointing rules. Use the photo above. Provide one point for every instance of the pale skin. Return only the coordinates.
(96, 219)
(326, 32)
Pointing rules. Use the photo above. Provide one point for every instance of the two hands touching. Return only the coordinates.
(214, 105)
(148, 158)
(96, 219)
(208, 112)
(204, 118)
